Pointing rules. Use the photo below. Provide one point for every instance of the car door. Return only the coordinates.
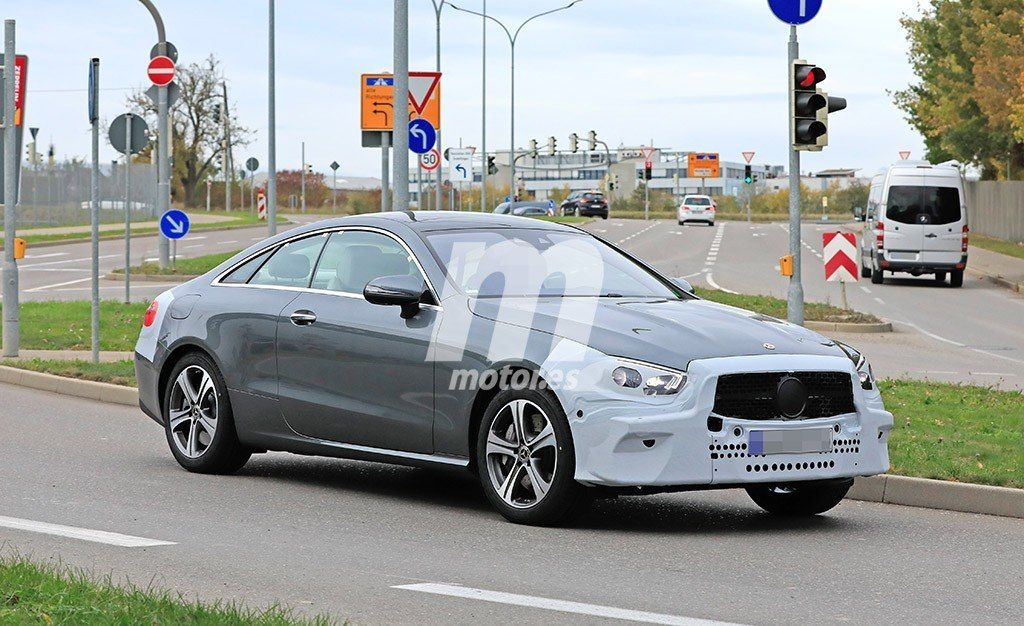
(904, 235)
(350, 371)
(942, 233)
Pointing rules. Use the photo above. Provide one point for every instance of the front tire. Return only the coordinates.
(876, 277)
(865, 272)
(800, 500)
(526, 459)
(199, 424)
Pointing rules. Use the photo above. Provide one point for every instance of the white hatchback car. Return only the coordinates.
(697, 209)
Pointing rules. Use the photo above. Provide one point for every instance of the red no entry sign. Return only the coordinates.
(161, 71)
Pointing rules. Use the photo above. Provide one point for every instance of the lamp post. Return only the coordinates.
(438, 6)
(513, 37)
(271, 127)
(163, 166)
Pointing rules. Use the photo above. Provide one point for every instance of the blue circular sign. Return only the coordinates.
(795, 12)
(422, 136)
(174, 224)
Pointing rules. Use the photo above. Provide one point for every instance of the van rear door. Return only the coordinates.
(942, 223)
(904, 237)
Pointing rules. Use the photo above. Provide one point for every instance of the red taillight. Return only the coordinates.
(879, 235)
(963, 240)
(150, 316)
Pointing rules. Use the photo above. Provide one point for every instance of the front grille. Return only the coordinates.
(753, 396)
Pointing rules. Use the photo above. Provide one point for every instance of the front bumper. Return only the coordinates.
(634, 444)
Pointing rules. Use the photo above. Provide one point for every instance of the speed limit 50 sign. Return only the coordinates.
(431, 160)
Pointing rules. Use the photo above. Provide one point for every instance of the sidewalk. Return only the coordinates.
(73, 355)
(85, 229)
(1006, 270)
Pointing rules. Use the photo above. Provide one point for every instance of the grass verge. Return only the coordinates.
(1002, 246)
(41, 594)
(67, 325)
(956, 432)
(776, 307)
(183, 267)
(115, 372)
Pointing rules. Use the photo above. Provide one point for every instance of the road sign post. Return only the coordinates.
(9, 104)
(94, 209)
(128, 135)
(334, 186)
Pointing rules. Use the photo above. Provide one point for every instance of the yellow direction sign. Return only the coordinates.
(703, 165)
(377, 94)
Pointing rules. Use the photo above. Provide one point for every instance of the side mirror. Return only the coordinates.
(683, 284)
(403, 291)
(858, 214)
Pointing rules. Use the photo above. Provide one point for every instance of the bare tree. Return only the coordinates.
(197, 137)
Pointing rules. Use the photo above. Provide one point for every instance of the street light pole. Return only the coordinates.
(11, 328)
(163, 166)
(483, 111)
(438, 6)
(400, 164)
(512, 39)
(271, 130)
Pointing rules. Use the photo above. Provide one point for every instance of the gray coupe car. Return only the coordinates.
(555, 366)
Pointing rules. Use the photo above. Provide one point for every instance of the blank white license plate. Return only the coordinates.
(790, 441)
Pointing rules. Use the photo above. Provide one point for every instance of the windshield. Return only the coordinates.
(540, 263)
(694, 201)
(923, 205)
(503, 209)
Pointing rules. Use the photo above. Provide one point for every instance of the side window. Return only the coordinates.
(244, 272)
(353, 258)
(292, 264)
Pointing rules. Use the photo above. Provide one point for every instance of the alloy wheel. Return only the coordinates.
(521, 454)
(193, 411)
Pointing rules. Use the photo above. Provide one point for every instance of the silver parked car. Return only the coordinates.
(550, 363)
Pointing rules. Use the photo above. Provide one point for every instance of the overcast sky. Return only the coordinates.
(704, 75)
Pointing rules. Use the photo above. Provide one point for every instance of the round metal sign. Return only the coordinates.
(252, 164)
(119, 133)
(795, 12)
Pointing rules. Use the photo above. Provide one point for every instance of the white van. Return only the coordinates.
(916, 222)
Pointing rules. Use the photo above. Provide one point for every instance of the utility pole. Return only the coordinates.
(229, 165)
(302, 178)
(400, 165)
(94, 213)
(795, 296)
(163, 165)
(271, 132)
(11, 329)
(483, 112)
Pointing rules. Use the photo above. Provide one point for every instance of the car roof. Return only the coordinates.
(425, 221)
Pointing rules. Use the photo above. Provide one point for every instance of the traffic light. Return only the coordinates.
(648, 170)
(574, 143)
(533, 147)
(552, 146)
(592, 140)
(492, 169)
(309, 169)
(216, 113)
(811, 106)
(748, 175)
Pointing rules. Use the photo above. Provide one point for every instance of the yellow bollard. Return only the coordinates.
(786, 265)
(19, 248)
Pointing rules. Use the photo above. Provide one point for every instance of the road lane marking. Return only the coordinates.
(69, 282)
(53, 269)
(551, 604)
(230, 241)
(638, 233)
(85, 534)
(46, 256)
(714, 285)
(957, 343)
(864, 289)
(82, 260)
(879, 301)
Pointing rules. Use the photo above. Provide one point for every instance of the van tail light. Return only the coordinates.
(879, 235)
(963, 239)
(150, 316)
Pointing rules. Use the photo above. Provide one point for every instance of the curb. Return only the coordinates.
(997, 279)
(849, 327)
(151, 278)
(102, 392)
(940, 494)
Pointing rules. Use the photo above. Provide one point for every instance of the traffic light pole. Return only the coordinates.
(11, 329)
(795, 300)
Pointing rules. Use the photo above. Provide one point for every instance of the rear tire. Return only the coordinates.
(940, 277)
(524, 442)
(876, 277)
(198, 421)
(798, 501)
(865, 272)
(956, 278)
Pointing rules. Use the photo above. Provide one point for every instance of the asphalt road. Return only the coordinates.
(338, 537)
(972, 334)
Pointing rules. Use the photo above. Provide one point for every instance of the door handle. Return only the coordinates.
(931, 235)
(303, 318)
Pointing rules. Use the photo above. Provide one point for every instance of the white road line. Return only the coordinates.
(197, 238)
(879, 301)
(714, 285)
(958, 344)
(85, 534)
(236, 241)
(550, 604)
(864, 289)
(82, 260)
(45, 287)
(46, 256)
(990, 374)
(52, 269)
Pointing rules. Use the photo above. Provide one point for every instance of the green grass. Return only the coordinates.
(775, 307)
(66, 325)
(956, 432)
(1001, 246)
(115, 373)
(183, 267)
(567, 219)
(44, 594)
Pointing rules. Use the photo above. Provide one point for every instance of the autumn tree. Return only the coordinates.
(969, 102)
(197, 135)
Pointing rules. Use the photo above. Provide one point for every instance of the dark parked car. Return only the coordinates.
(586, 204)
(526, 209)
(550, 363)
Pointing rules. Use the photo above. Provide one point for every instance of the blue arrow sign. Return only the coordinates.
(174, 224)
(422, 136)
(795, 12)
